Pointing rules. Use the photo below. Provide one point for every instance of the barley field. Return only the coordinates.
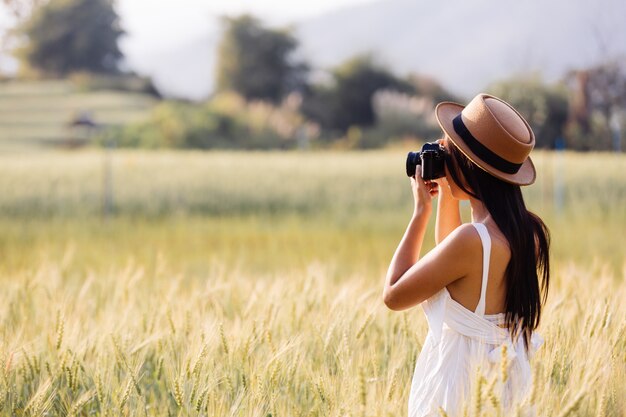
(249, 284)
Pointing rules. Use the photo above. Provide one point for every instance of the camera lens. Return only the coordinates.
(412, 159)
(432, 159)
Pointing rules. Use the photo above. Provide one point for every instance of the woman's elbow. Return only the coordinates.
(399, 302)
(391, 301)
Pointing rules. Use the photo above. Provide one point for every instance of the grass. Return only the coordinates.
(250, 284)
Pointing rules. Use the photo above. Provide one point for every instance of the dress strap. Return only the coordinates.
(485, 239)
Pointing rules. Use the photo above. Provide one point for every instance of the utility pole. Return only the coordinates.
(107, 186)
(616, 130)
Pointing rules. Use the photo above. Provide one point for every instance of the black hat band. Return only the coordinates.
(481, 150)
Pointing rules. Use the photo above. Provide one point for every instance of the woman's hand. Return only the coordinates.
(423, 193)
(444, 188)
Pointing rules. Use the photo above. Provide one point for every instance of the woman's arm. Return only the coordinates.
(444, 264)
(411, 280)
(407, 252)
(448, 214)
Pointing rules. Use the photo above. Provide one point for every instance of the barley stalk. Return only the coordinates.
(81, 402)
(223, 339)
(178, 392)
(126, 395)
(367, 321)
(99, 390)
(478, 393)
(362, 389)
(573, 405)
(392, 386)
(60, 326)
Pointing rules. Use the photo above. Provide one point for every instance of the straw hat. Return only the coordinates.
(493, 135)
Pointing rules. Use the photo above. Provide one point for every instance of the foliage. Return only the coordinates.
(429, 87)
(347, 100)
(400, 115)
(64, 36)
(592, 135)
(227, 122)
(598, 106)
(544, 107)
(363, 105)
(607, 86)
(132, 83)
(257, 62)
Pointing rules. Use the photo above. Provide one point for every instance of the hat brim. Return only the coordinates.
(445, 112)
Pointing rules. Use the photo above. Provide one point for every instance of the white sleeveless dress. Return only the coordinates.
(460, 340)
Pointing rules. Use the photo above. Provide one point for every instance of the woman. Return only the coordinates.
(483, 285)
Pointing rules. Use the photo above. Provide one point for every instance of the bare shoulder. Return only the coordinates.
(465, 230)
(463, 240)
(459, 249)
(465, 252)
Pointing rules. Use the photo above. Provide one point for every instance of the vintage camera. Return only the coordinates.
(431, 158)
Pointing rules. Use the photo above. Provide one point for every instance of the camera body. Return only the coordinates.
(431, 158)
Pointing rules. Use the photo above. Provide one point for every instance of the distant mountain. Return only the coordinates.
(466, 44)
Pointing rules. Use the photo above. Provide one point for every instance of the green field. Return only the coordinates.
(249, 284)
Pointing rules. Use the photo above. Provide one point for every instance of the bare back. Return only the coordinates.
(466, 290)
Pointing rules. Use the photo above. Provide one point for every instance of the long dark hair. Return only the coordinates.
(526, 233)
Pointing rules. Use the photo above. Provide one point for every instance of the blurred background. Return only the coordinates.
(346, 74)
(199, 199)
(155, 112)
(213, 112)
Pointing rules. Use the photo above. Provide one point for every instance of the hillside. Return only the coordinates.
(35, 114)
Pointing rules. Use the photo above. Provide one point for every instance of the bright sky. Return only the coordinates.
(155, 24)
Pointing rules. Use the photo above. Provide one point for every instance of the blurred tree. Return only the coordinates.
(598, 106)
(347, 100)
(64, 36)
(256, 62)
(401, 116)
(429, 87)
(546, 108)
